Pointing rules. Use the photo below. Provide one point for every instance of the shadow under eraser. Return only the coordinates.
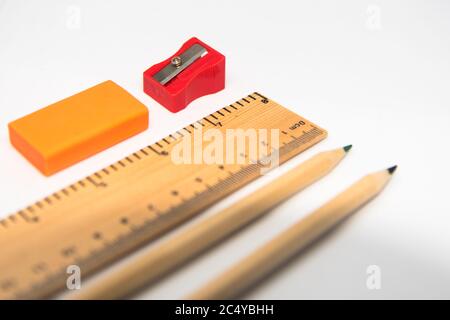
(73, 129)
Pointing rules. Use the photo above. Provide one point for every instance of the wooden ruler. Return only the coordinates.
(104, 216)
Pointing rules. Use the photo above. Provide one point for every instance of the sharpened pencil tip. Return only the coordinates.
(391, 170)
(347, 148)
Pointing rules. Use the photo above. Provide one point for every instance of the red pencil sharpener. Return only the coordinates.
(193, 71)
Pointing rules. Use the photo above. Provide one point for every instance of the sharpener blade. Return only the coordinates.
(177, 65)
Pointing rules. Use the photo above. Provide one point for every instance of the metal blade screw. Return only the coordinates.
(176, 61)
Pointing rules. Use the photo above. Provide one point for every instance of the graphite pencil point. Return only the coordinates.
(347, 148)
(392, 169)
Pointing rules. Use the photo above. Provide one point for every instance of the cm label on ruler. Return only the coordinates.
(100, 218)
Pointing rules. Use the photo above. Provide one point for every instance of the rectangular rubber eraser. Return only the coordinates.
(68, 131)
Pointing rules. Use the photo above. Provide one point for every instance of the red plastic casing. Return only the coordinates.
(204, 76)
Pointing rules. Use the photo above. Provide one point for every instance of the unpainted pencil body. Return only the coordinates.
(170, 254)
(250, 270)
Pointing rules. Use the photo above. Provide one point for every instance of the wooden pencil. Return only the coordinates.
(156, 262)
(246, 273)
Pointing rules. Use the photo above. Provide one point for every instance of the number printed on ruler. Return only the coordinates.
(115, 210)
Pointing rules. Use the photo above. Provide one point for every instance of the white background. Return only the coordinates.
(373, 73)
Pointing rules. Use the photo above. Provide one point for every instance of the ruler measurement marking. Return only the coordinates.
(209, 121)
(97, 235)
(92, 181)
(22, 214)
(165, 140)
(182, 135)
(154, 150)
(136, 156)
(260, 95)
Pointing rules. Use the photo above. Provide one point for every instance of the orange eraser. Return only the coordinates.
(77, 127)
